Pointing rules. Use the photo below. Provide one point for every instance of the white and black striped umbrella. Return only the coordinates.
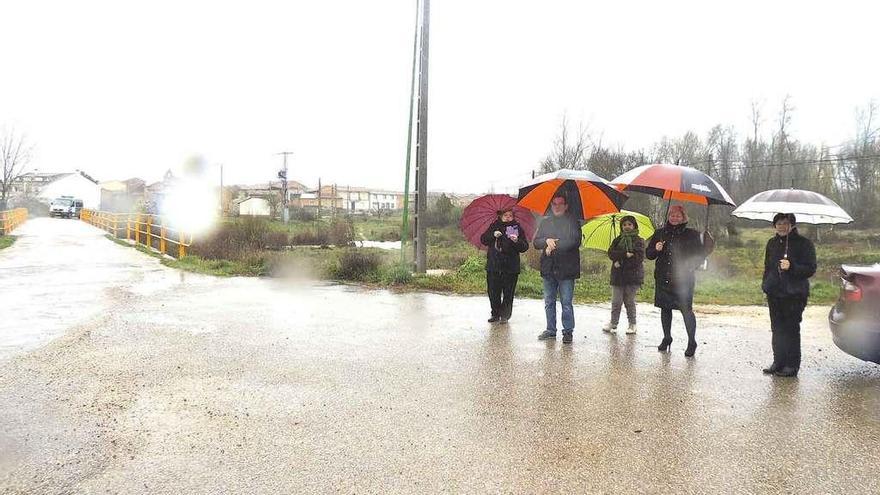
(808, 206)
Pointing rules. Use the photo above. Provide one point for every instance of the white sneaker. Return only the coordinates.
(609, 328)
(631, 329)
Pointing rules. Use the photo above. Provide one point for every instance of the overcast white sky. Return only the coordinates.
(123, 89)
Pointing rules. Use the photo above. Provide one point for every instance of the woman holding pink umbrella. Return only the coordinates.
(505, 240)
(496, 224)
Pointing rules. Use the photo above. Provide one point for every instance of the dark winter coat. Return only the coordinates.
(683, 252)
(631, 270)
(793, 283)
(565, 262)
(503, 254)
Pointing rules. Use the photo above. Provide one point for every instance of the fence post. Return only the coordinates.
(181, 248)
(150, 231)
(128, 226)
(162, 235)
(137, 229)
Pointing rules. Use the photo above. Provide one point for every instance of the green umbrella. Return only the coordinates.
(600, 231)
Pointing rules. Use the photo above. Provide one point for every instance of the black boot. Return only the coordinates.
(773, 368)
(787, 372)
(493, 319)
(664, 344)
(691, 349)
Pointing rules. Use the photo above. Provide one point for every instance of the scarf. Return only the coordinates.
(628, 240)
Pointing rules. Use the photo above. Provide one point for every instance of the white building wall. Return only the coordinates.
(73, 185)
(257, 207)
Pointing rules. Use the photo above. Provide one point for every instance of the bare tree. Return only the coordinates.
(568, 152)
(859, 168)
(15, 153)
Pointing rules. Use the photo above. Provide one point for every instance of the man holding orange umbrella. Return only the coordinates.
(567, 197)
(559, 240)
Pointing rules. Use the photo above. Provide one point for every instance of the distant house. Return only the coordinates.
(123, 196)
(314, 200)
(47, 186)
(361, 199)
(384, 200)
(355, 199)
(294, 190)
(254, 207)
(154, 194)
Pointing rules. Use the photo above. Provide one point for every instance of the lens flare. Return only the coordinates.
(191, 206)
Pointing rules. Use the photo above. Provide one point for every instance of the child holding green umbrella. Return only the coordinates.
(627, 253)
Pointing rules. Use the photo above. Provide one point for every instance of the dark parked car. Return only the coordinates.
(855, 319)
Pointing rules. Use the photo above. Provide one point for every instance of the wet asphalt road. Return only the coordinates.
(139, 379)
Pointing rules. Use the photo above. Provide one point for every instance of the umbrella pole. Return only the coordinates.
(706, 227)
(666, 215)
(785, 256)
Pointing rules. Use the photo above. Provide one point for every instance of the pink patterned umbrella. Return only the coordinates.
(480, 214)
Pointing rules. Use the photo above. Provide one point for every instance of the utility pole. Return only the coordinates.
(421, 240)
(404, 230)
(285, 210)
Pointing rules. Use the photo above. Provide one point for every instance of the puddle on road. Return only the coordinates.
(62, 273)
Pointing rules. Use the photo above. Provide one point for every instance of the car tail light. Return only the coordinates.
(850, 291)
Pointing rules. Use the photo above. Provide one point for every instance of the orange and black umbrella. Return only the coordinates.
(587, 194)
(674, 182)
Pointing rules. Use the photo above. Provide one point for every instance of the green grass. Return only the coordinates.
(6, 241)
(733, 278)
(220, 268)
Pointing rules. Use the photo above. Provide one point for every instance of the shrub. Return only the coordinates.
(357, 265)
(310, 237)
(232, 241)
(303, 215)
(341, 232)
(276, 241)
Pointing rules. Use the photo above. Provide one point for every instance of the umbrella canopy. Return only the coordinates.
(600, 231)
(674, 182)
(480, 214)
(588, 195)
(808, 206)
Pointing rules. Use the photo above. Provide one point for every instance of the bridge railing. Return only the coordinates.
(153, 231)
(10, 219)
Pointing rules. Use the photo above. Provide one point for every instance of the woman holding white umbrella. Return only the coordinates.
(789, 262)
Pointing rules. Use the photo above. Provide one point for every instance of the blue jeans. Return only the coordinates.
(565, 289)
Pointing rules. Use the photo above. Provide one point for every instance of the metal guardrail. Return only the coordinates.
(148, 230)
(10, 219)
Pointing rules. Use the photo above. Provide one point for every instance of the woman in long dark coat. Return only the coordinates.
(505, 240)
(679, 251)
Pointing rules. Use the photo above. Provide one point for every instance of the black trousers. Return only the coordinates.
(501, 287)
(785, 321)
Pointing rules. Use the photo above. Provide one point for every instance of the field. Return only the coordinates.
(733, 276)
